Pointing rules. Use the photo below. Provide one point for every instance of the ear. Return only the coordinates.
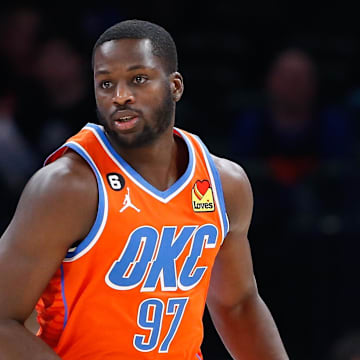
(177, 85)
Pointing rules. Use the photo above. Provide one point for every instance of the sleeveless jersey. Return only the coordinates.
(136, 286)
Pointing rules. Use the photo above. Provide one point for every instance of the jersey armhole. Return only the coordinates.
(102, 210)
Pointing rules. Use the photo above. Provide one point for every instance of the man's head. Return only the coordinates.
(136, 82)
(292, 80)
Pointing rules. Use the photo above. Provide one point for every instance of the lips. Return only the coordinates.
(124, 115)
(125, 120)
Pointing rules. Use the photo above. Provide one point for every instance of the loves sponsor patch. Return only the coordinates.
(202, 196)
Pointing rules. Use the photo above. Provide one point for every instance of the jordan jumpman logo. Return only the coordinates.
(127, 202)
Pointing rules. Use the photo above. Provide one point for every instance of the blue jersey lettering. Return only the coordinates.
(139, 259)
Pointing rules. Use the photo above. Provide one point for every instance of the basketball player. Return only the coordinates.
(131, 227)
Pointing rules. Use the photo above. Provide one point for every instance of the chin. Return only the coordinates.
(134, 139)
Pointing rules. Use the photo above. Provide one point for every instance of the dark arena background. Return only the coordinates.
(271, 86)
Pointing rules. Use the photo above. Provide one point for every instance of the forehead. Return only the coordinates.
(125, 53)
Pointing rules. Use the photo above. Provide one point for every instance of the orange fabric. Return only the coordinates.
(51, 311)
(123, 298)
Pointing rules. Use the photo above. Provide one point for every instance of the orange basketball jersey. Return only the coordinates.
(135, 287)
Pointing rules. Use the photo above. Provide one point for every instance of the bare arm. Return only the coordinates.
(240, 316)
(57, 208)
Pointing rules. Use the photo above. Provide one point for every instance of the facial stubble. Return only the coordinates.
(163, 116)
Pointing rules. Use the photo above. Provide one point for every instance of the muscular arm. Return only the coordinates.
(56, 208)
(240, 316)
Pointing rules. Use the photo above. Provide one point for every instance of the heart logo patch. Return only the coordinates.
(201, 187)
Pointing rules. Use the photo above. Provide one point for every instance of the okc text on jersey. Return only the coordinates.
(149, 257)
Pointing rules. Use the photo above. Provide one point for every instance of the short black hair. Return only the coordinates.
(162, 42)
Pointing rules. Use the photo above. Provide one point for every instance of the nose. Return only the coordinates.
(122, 95)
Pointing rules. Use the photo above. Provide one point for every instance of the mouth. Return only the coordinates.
(125, 119)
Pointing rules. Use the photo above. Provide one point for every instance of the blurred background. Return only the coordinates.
(271, 86)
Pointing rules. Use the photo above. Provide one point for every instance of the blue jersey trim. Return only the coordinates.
(198, 356)
(218, 186)
(63, 296)
(101, 204)
(162, 194)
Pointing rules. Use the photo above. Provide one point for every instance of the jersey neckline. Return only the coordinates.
(163, 196)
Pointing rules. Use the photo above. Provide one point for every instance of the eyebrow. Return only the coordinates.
(131, 68)
(136, 67)
(102, 72)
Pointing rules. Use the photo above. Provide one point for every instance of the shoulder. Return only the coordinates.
(68, 175)
(230, 172)
(237, 193)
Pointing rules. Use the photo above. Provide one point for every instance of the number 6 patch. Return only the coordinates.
(116, 181)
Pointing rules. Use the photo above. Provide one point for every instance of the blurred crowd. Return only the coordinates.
(299, 146)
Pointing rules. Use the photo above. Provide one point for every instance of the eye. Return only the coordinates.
(140, 79)
(106, 84)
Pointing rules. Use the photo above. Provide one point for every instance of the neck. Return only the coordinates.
(160, 163)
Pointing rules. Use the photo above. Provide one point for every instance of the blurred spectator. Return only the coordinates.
(301, 148)
(63, 101)
(293, 131)
(19, 31)
(292, 138)
(17, 160)
(20, 27)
